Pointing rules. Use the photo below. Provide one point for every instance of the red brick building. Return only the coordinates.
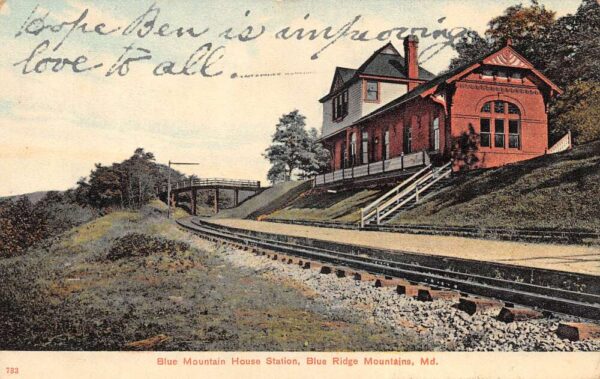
(487, 113)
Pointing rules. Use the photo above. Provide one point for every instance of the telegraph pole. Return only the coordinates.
(169, 183)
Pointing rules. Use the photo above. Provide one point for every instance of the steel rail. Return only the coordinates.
(552, 299)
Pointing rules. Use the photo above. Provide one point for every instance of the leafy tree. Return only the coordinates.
(105, 187)
(572, 48)
(277, 173)
(526, 26)
(128, 184)
(316, 159)
(294, 151)
(578, 110)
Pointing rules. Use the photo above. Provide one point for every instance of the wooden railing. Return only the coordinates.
(399, 163)
(216, 182)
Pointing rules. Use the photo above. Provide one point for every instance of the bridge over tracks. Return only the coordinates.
(215, 184)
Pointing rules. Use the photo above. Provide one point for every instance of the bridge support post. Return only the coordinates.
(236, 197)
(193, 201)
(216, 205)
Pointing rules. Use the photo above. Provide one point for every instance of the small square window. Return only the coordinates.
(487, 107)
(516, 75)
(372, 93)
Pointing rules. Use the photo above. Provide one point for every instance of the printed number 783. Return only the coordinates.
(12, 370)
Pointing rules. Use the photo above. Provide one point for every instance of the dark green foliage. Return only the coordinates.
(140, 245)
(295, 151)
(22, 225)
(129, 184)
(578, 110)
(566, 50)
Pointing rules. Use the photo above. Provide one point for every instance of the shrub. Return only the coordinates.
(140, 245)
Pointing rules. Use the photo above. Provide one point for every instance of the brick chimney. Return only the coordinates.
(411, 60)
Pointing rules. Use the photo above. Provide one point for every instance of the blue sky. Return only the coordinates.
(57, 125)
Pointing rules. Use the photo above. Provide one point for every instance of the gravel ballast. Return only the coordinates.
(439, 324)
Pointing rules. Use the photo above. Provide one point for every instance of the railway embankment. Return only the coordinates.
(535, 199)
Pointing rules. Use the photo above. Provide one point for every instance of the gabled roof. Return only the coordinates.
(341, 77)
(505, 56)
(384, 62)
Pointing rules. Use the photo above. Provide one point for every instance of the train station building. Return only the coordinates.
(391, 113)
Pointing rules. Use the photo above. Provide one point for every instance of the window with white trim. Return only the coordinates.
(436, 133)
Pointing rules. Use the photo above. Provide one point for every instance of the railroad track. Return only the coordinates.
(544, 290)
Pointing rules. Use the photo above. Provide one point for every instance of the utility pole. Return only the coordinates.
(169, 183)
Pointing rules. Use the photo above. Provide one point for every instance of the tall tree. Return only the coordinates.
(526, 26)
(571, 50)
(294, 152)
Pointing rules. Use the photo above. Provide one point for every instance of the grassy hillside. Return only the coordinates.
(267, 201)
(343, 206)
(131, 280)
(560, 190)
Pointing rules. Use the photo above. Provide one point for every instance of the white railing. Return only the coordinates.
(399, 163)
(369, 211)
(562, 144)
(406, 191)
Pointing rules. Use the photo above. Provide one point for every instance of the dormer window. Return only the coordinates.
(372, 90)
(339, 105)
(487, 73)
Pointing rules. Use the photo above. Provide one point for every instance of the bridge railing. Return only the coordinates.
(216, 182)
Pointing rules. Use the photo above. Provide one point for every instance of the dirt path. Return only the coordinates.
(573, 258)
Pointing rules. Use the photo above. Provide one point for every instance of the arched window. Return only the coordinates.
(500, 125)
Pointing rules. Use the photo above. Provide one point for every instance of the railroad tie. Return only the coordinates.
(431, 295)
(381, 282)
(313, 265)
(578, 331)
(410, 290)
(473, 305)
(363, 276)
(341, 272)
(518, 314)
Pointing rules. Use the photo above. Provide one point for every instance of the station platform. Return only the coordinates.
(571, 258)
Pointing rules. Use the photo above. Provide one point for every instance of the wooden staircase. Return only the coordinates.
(406, 195)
